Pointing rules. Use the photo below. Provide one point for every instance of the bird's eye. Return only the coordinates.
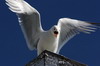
(54, 28)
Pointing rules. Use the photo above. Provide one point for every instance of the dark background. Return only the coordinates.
(83, 48)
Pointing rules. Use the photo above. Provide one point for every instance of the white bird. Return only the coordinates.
(52, 40)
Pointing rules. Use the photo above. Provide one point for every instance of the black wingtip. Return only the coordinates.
(96, 24)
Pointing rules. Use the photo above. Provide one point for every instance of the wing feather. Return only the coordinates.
(29, 19)
(71, 27)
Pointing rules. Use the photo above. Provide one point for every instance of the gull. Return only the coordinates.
(55, 38)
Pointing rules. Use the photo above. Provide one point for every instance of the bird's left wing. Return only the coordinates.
(29, 19)
(70, 27)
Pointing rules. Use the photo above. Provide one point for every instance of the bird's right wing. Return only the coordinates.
(29, 19)
(70, 27)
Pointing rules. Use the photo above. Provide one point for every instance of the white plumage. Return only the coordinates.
(52, 40)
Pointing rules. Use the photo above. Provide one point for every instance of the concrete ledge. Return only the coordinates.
(47, 58)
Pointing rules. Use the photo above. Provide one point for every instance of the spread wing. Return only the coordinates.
(29, 19)
(70, 27)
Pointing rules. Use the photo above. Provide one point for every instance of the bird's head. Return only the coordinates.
(55, 31)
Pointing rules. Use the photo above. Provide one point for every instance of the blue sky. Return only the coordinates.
(83, 48)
